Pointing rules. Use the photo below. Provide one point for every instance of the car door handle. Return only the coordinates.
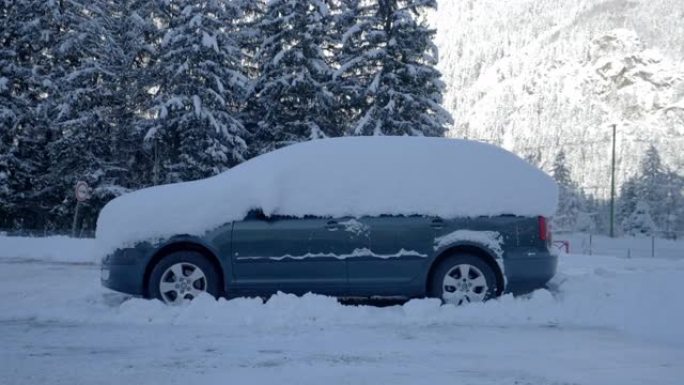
(332, 225)
(437, 224)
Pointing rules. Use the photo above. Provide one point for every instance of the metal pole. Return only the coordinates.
(612, 187)
(74, 224)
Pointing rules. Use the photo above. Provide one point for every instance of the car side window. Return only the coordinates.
(278, 217)
(258, 215)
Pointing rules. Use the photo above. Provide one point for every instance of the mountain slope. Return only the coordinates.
(537, 76)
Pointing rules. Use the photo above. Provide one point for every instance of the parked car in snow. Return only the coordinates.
(350, 217)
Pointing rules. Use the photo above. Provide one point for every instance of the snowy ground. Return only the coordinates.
(607, 321)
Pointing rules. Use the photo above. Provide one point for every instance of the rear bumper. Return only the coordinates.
(529, 272)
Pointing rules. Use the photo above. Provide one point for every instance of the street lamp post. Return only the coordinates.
(612, 187)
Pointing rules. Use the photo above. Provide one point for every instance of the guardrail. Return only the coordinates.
(562, 245)
(627, 247)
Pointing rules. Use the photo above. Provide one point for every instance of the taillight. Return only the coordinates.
(543, 229)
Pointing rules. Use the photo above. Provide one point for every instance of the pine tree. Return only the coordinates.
(135, 39)
(12, 108)
(388, 70)
(249, 37)
(293, 101)
(197, 132)
(651, 186)
(570, 200)
(100, 57)
(13, 102)
(587, 219)
(84, 123)
(652, 175)
(354, 56)
(673, 205)
(627, 202)
(29, 29)
(660, 191)
(639, 222)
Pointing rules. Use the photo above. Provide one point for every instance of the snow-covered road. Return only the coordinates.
(610, 321)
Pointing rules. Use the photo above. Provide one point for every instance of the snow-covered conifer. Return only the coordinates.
(293, 102)
(659, 189)
(387, 70)
(28, 32)
(136, 37)
(640, 222)
(627, 201)
(652, 184)
(201, 86)
(84, 121)
(570, 200)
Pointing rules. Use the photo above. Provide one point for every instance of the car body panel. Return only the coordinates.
(286, 254)
(399, 248)
(367, 256)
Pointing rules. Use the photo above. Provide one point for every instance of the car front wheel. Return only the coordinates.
(462, 279)
(182, 276)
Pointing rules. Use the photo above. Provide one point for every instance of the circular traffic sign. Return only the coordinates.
(82, 191)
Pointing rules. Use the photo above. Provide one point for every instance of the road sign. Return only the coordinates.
(82, 191)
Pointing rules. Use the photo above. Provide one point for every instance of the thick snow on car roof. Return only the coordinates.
(351, 176)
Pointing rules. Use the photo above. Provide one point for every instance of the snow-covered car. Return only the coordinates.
(350, 217)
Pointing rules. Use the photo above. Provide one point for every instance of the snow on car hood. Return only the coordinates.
(352, 176)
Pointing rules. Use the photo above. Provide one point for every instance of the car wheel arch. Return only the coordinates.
(178, 245)
(467, 248)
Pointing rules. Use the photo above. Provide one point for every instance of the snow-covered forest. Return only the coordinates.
(133, 93)
(127, 94)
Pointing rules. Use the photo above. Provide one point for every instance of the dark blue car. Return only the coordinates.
(458, 260)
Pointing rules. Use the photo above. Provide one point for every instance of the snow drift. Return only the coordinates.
(58, 248)
(608, 321)
(353, 176)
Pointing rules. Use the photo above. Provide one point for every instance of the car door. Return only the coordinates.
(399, 251)
(346, 238)
(288, 254)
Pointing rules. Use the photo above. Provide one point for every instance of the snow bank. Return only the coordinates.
(339, 177)
(608, 321)
(50, 249)
(638, 297)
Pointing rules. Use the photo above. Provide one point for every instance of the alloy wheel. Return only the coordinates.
(464, 283)
(182, 281)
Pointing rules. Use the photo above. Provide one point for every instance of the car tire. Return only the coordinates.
(181, 276)
(463, 278)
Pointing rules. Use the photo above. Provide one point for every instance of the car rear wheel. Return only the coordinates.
(182, 276)
(462, 279)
